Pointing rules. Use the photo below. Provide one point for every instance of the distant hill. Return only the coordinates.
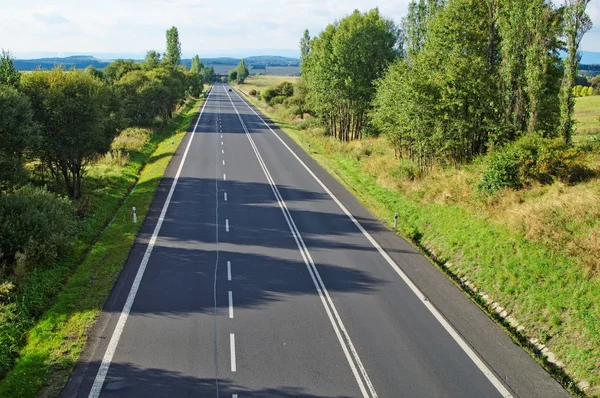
(263, 60)
(77, 61)
(83, 61)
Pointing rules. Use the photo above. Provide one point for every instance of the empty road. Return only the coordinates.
(256, 274)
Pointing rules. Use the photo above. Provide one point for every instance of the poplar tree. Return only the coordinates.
(576, 24)
(173, 54)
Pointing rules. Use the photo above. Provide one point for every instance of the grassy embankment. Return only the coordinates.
(536, 251)
(55, 341)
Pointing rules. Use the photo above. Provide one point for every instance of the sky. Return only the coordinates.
(113, 28)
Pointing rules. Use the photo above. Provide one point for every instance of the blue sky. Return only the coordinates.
(206, 27)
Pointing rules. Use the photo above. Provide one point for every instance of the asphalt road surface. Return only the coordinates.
(256, 274)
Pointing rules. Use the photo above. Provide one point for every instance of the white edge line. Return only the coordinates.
(232, 349)
(228, 270)
(230, 304)
(459, 340)
(322, 291)
(116, 335)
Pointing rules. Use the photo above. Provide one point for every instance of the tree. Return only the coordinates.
(576, 24)
(414, 25)
(17, 134)
(304, 45)
(173, 54)
(208, 74)
(232, 75)
(343, 63)
(118, 68)
(96, 73)
(242, 72)
(196, 64)
(76, 114)
(152, 59)
(9, 75)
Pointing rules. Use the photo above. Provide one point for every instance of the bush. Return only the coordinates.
(533, 159)
(277, 100)
(268, 94)
(502, 172)
(405, 170)
(286, 89)
(37, 229)
(309, 123)
(252, 93)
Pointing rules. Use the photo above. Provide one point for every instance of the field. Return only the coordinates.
(271, 70)
(259, 83)
(535, 251)
(587, 115)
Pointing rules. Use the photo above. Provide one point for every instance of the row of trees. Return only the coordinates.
(456, 77)
(66, 119)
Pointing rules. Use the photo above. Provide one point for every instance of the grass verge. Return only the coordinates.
(542, 283)
(55, 342)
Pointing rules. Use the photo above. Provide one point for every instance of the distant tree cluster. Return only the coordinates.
(65, 119)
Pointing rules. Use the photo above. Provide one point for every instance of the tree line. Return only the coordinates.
(452, 80)
(64, 119)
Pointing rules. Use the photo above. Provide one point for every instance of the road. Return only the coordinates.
(257, 274)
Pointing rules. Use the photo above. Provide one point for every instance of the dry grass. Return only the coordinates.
(259, 83)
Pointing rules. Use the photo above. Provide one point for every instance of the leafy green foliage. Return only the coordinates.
(269, 93)
(252, 92)
(576, 24)
(119, 68)
(344, 61)
(173, 54)
(196, 64)
(17, 135)
(36, 230)
(232, 75)
(152, 59)
(532, 159)
(241, 72)
(78, 120)
(9, 75)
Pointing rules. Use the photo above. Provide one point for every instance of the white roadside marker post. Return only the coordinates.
(134, 216)
(395, 221)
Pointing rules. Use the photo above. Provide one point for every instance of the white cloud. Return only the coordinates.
(206, 26)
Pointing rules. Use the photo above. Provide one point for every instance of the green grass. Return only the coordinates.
(260, 83)
(55, 341)
(587, 115)
(539, 277)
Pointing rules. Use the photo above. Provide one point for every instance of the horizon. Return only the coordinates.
(116, 27)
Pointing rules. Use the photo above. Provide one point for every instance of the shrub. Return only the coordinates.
(36, 230)
(131, 139)
(286, 89)
(405, 170)
(277, 100)
(309, 123)
(268, 94)
(502, 172)
(533, 158)
(252, 93)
